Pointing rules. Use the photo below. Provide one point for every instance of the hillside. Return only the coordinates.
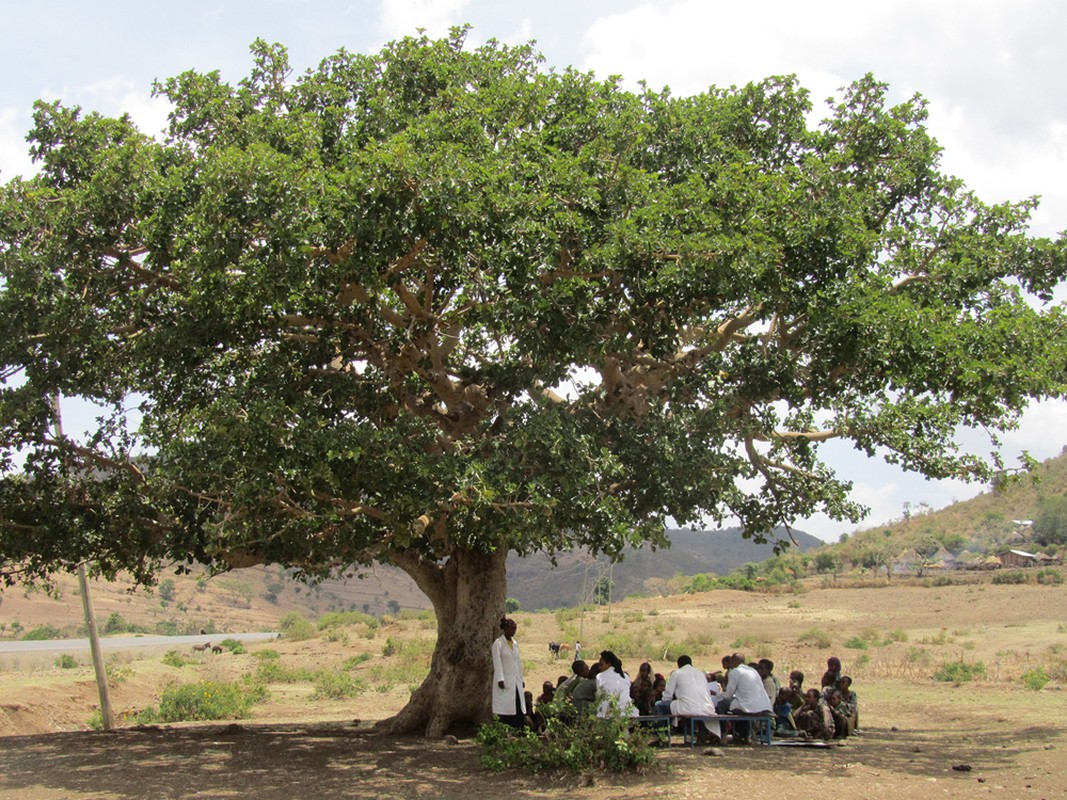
(256, 598)
(536, 584)
(997, 519)
(244, 600)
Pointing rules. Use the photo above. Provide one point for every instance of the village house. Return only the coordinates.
(1018, 558)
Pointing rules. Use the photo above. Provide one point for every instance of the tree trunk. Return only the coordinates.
(467, 592)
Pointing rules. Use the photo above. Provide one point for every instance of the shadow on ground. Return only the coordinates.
(280, 762)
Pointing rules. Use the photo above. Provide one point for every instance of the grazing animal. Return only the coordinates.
(200, 648)
(563, 648)
(216, 648)
(553, 647)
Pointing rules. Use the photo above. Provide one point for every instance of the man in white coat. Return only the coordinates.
(744, 693)
(509, 705)
(687, 695)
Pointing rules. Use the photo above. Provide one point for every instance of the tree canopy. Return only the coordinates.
(431, 304)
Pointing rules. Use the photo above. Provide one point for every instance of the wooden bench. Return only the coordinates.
(762, 724)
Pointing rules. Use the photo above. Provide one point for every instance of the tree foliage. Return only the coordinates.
(1050, 526)
(428, 305)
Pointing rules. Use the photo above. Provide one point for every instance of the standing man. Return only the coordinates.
(744, 693)
(508, 703)
(687, 695)
(577, 651)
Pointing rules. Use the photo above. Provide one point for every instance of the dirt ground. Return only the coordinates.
(920, 737)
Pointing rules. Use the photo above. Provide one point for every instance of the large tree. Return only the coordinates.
(435, 304)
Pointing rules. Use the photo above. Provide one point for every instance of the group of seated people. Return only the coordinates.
(829, 712)
(604, 688)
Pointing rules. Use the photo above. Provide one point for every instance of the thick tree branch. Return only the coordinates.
(96, 459)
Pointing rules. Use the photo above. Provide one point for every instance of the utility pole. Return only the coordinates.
(94, 648)
(90, 619)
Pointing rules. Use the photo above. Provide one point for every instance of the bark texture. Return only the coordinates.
(467, 592)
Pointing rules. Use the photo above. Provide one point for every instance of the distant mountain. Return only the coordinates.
(535, 583)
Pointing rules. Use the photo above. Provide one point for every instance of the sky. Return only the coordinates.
(992, 71)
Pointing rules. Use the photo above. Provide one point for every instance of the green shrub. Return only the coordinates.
(409, 661)
(115, 624)
(206, 700)
(354, 661)
(817, 637)
(1035, 679)
(336, 686)
(166, 627)
(588, 743)
(42, 632)
(172, 658)
(856, 643)
(898, 635)
(267, 655)
(337, 619)
(66, 661)
(234, 646)
(1010, 576)
(1049, 576)
(627, 642)
(960, 671)
(273, 671)
(295, 626)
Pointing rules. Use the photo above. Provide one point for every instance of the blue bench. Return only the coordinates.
(762, 724)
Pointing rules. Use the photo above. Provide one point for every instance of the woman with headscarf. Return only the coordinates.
(509, 704)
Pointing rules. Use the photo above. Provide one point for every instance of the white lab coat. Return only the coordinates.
(507, 667)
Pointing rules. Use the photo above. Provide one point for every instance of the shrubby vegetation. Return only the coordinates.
(960, 671)
(172, 658)
(587, 743)
(205, 700)
(295, 627)
(1010, 576)
(1035, 678)
(42, 633)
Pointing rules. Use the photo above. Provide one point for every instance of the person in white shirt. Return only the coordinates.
(687, 695)
(613, 687)
(509, 704)
(744, 693)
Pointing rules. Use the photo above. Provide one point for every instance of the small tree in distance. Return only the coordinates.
(430, 305)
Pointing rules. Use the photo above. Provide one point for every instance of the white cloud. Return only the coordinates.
(14, 151)
(120, 95)
(404, 17)
(112, 96)
(990, 70)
